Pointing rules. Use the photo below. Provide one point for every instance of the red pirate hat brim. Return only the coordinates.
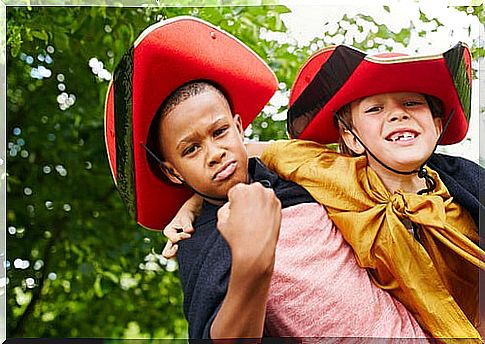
(166, 56)
(336, 76)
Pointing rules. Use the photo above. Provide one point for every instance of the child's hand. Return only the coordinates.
(175, 232)
(180, 228)
(250, 223)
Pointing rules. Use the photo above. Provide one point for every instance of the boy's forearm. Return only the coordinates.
(256, 148)
(189, 210)
(193, 205)
(253, 247)
(243, 311)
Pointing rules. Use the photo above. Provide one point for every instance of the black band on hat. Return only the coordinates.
(327, 82)
(123, 105)
(456, 65)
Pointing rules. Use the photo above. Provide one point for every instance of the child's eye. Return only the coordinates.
(411, 103)
(189, 150)
(219, 132)
(373, 109)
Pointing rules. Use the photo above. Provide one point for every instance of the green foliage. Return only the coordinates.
(79, 266)
(478, 50)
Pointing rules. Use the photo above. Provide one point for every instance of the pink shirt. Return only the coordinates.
(318, 290)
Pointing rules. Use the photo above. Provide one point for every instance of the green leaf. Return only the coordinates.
(40, 35)
(97, 287)
(61, 41)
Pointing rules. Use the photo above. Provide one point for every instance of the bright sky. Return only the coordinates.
(310, 18)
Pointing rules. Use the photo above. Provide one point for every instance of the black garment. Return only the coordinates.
(205, 258)
(464, 180)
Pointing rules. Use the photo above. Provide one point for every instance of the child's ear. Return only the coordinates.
(171, 173)
(238, 124)
(351, 142)
(438, 123)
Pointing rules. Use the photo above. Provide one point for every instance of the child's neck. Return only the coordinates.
(409, 183)
(214, 202)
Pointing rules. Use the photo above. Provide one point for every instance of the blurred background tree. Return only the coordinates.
(77, 265)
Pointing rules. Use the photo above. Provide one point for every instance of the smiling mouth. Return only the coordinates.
(225, 171)
(402, 136)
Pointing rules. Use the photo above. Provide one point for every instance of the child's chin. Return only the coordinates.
(408, 165)
(224, 188)
(411, 159)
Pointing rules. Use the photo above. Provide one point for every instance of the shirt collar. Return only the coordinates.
(258, 172)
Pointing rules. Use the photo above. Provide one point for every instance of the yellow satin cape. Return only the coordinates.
(437, 279)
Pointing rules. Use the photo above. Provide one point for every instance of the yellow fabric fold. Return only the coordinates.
(437, 279)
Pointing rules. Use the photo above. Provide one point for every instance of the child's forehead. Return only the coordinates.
(204, 108)
(208, 94)
(193, 118)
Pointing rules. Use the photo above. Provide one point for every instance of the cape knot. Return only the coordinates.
(398, 202)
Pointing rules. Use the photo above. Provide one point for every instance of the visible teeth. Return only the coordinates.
(402, 136)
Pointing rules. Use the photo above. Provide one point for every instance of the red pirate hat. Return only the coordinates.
(166, 56)
(338, 75)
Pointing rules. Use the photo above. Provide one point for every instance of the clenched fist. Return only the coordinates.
(250, 223)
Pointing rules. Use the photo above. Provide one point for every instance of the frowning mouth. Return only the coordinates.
(225, 171)
(403, 135)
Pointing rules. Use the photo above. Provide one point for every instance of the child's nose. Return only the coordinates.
(397, 114)
(216, 155)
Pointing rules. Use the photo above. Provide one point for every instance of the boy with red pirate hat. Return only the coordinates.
(146, 75)
(175, 115)
(186, 69)
(414, 228)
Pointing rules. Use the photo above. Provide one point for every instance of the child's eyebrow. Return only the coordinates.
(220, 120)
(186, 140)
